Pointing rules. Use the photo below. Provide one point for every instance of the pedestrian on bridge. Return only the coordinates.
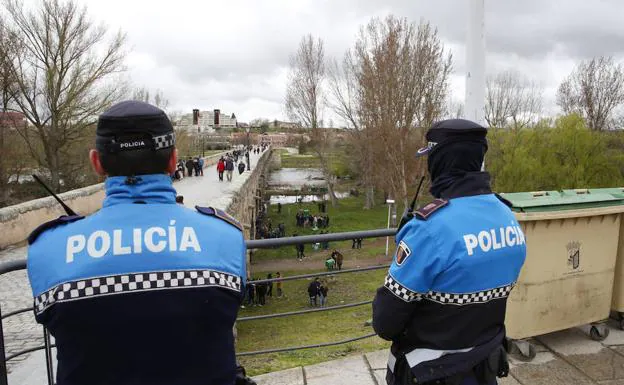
(229, 168)
(220, 168)
(129, 297)
(189, 166)
(443, 301)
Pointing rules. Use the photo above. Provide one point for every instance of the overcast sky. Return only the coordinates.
(233, 54)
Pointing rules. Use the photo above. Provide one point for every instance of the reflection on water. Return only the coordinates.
(286, 199)
(296, 177)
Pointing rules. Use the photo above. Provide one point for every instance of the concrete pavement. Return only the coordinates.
(568, 357)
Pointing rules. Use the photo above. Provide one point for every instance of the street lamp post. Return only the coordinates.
(390, 202)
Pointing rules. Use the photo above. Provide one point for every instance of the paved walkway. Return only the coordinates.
(208, 191)
(21, 331)
(569, 357)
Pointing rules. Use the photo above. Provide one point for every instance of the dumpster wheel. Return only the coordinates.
(599, 332)
(522, 350)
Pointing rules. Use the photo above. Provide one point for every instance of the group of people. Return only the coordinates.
(334, 261)
(256, 293)
(318, 290)
(304, 219)
(264, 227)
(188, 167)
(265, 230)
(226, 165)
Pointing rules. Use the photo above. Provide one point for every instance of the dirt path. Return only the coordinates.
(316, 262)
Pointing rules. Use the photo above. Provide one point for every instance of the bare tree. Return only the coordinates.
(594, 90)
(62, 75)
(454, 109)
(304, 94)
(344, 88)
(402, 72)
(305, 99)
(157, 99)
(512, 99)
(345, 100)
(13, 152)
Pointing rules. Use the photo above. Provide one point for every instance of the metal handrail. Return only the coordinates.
(16, 265)
(292, 348)
(29, 350)
(345, 236)
(269, 243)
(16, 312)
(321, 274)
(297, 312)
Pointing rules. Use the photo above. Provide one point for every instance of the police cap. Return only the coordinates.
(133, 125)
(452, 130)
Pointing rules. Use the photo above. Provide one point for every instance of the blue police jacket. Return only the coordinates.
(445, 294)
(145, 291)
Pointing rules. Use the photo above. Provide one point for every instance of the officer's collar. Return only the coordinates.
(153, 188)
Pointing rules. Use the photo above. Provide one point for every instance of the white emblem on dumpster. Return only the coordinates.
(574, 254)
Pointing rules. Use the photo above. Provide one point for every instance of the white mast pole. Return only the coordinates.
(475, 63)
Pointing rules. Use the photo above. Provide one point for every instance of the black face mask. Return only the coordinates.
(449, 162)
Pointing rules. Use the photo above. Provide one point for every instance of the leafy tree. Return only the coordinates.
(564, 155)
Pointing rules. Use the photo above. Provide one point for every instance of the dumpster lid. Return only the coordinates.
(560, 200)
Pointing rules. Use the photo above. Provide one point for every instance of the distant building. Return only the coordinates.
(207, 121)
(277, 140)
(13, 119)
(288, 125)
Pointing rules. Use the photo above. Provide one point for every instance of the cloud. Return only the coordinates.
(233, 54)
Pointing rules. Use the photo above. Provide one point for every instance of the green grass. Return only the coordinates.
(348, 215)
(338, 161)
(312, 328)
(299, 161)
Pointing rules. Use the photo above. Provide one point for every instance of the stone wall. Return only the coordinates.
(244, 204)
(17, 221)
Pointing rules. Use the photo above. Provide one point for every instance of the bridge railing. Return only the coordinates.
(12, 266)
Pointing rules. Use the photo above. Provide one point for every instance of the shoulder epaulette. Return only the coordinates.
(221, 215)
(505, 201)
(425, 212)
(52, 224)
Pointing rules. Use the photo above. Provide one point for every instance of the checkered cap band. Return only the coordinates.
(164, 141)
(408, 295)
(136, 282)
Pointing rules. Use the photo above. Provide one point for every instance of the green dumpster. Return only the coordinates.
(567, 279)
(617, 302)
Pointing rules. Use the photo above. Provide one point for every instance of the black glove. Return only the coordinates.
(241, 377)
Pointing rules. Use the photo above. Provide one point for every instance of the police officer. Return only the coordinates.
(145, 291)
(443, 301)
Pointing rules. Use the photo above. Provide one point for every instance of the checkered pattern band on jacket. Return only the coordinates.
(408, 295)
(135, 282)
(164, 141)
